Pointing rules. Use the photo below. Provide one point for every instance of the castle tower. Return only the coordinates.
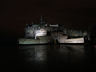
(42, 22)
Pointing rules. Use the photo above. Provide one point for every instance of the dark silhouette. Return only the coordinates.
(92, 43)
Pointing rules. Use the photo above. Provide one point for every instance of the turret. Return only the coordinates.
(42, 22)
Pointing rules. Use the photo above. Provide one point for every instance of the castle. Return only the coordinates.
(41, 29)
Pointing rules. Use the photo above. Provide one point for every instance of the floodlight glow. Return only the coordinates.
(74, 40)
(41, 32)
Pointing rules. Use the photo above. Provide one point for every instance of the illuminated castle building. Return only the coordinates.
(38, 34)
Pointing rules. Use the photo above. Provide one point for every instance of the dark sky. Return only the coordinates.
(76, 14)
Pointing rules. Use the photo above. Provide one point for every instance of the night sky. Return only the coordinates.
(76, 14)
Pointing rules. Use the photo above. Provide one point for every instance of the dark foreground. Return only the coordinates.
(46, 58)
